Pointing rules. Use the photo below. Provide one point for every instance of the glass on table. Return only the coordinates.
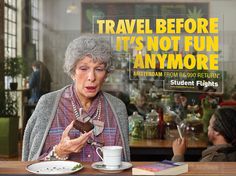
(136, 125)
(191, 130)
(170, 125)
(194, 129)
(169, 128)
(150, 129)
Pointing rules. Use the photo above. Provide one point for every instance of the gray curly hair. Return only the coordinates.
(96, 47)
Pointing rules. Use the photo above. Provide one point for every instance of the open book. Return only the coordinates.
(161, 168)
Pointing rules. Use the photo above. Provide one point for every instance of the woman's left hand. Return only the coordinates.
(68, 146)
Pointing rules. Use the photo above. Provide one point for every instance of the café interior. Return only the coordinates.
(40, 30)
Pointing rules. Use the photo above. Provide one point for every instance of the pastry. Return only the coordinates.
(83, 126)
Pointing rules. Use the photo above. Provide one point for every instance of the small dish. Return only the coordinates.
(54, 167)
(102, 168)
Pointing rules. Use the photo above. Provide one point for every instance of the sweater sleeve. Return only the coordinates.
(178, 158)
(124, 125)
(36, 129)
(26, 139)
(28, 133)
(38, 125)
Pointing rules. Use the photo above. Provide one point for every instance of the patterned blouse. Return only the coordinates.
(65, 114)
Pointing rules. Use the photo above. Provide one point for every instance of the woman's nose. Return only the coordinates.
(91, 76)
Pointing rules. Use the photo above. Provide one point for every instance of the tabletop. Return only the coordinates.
(195, 168)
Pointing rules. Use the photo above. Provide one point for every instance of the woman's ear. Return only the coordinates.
(216, 133)
(106, 76)
(73, 77)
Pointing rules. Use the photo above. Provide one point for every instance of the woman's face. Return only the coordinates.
(89, 77)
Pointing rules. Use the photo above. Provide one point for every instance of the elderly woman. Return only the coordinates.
(50, 132)
(221, 133)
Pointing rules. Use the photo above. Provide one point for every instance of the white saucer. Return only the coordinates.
(101, 167)
(54, 167)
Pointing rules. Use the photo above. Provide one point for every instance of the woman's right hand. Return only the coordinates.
(68, 146)
(179, 146)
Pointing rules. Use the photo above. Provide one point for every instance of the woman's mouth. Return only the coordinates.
(91, 88)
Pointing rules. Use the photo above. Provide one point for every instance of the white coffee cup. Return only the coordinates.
(111, 156)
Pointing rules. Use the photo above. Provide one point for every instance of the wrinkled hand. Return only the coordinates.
(179, 146)
(67, 145)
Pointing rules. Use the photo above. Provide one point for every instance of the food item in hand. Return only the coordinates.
(83, 126)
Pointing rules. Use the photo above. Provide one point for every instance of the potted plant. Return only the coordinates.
(14, 67)
(9, 121)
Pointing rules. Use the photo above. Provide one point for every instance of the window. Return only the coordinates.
(131, 10)
(35, 25)
(10, 32)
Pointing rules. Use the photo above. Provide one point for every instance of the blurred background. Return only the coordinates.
(40, 30)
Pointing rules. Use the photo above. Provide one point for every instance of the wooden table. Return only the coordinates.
(195, 168)
(154, 149)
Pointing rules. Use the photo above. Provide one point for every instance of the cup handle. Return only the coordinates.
(97, 151)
